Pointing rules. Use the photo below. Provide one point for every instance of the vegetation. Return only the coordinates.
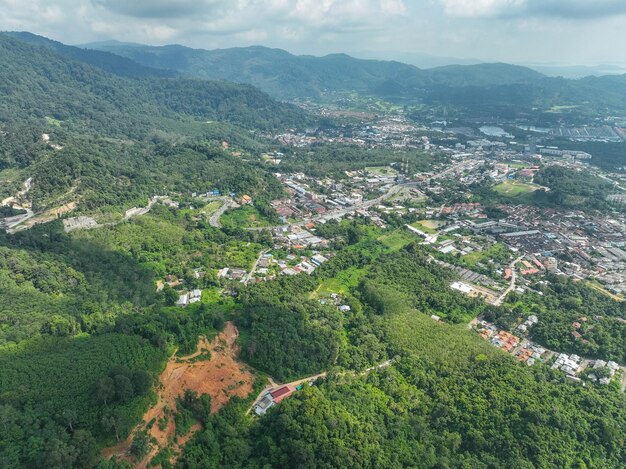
(562, 304)
(448, 400)
(572, 189)
(514, 188)
(65, 394)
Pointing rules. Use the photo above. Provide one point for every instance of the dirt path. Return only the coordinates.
(222, 376)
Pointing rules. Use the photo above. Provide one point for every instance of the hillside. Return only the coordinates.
(287, 76)
(37, 82)
(106, 61)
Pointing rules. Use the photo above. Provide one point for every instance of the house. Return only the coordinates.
(282, 393)
(318, 259)
(344, 308)
(244, 200)
(263, 405)
(183, 300)
(195, 296)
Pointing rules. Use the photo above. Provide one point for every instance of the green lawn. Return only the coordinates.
(515, 188)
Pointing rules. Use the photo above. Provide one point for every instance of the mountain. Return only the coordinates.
(286, 75)
(496, 87)
(106, 61)
(41, 81)
(275, 71)
(578, 71)
(115, 140)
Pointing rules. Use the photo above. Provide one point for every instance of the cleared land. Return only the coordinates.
(222, 377)
(515, 188)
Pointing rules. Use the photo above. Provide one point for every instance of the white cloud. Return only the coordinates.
(480, 8)
(567, 9)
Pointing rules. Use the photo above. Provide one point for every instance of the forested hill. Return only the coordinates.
(284, 75)
(39, 82)
(106, 61)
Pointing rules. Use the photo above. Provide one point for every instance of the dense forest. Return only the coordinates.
(448, 400)
(572, 189)
(84, 333)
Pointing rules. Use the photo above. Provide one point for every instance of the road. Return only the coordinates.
(256, 263)
(310, 379)
(12, 222)
(511, 287)
(214, 221)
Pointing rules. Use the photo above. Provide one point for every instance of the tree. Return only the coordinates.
(123, 388)
(141, 445)
(70, 417)
(105, 390)
(142, 382)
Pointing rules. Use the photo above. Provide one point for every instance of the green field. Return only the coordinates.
(415, 331)
(427, 226)
(396, 240)
(244, 217)
(515, 188)
(382, 171)
(497, 252)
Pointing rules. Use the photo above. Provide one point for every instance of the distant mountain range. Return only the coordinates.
(487, 87)
(495, 88)
(39, 77)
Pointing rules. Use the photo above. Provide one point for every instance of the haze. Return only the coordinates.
(520, 31)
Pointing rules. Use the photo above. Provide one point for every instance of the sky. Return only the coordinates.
(576, 32)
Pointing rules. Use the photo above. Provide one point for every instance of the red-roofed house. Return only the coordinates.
(282, 393)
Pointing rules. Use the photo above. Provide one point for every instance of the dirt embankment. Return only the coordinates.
(222, 376)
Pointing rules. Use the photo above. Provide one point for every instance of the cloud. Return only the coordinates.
(565, 9)
(482, 8)
(160, 8)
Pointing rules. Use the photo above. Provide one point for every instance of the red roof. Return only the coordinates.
(281, 393)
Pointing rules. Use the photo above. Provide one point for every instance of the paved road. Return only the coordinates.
(511, 287)
(11, 223)
(214, 221)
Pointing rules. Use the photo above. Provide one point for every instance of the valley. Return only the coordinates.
(373, 265)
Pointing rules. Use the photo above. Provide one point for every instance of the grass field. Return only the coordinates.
(515, 188)
(497, 252)
(244, 217)
(382, 171)
(427, 226)
(396, 240)
(596, 286)
(341, 284)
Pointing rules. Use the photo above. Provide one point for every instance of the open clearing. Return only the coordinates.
(515, 188)
(222, 377)
(428, 226)
(382, 171)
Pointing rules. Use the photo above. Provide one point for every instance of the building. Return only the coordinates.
(183, 300)
(195, 296)
(282, 393)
